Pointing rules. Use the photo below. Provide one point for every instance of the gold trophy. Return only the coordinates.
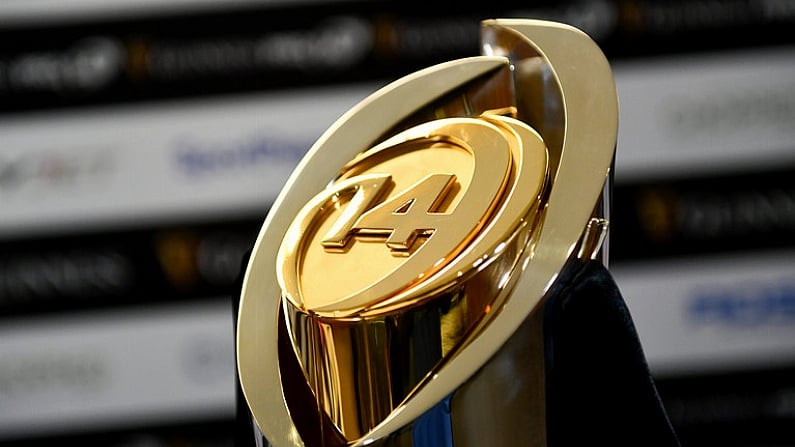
(395, 291)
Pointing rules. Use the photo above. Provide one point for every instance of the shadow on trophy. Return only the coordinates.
(435, 271)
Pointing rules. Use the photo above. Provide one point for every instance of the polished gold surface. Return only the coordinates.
(412, 220)
(410, 252)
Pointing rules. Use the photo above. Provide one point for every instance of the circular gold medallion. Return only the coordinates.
(406, 215)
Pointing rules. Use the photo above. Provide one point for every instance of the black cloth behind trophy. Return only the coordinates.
(599, 388)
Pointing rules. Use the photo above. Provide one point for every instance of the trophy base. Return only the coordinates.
(593, 387)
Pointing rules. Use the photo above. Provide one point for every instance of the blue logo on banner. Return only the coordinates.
(194, 158)
(765, 305)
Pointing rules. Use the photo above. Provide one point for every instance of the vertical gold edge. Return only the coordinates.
(591, 110)
(255, 319)
(256, 332)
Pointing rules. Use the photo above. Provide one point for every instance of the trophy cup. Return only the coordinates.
(395, 293)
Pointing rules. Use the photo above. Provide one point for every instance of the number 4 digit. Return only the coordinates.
(410, 213)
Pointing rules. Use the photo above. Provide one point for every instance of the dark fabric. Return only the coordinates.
(599, 388)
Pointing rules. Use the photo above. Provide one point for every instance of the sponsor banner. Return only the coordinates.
(703, 214)
(713, 314)
(280, 44)
(55, 12)
(116, 370)
(208, 433)
(750, 408)
(122, 269)
(62, 171)
(685, 117)
(695, 115)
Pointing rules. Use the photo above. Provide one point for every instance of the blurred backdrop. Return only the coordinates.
(142, 142)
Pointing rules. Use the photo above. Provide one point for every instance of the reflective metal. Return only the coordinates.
(394, 294)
